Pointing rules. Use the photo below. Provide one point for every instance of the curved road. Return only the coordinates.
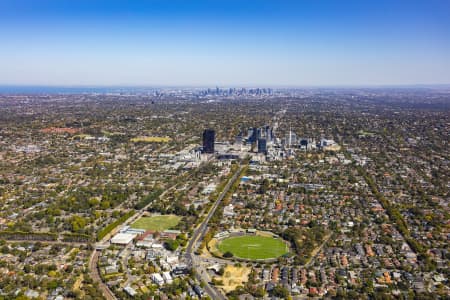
(93, 267)
(199, 233)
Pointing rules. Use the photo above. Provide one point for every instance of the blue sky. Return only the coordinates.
(224, 42)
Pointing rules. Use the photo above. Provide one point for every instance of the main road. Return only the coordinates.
(199, 234)
(93, 267)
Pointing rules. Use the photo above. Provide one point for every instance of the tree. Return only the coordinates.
(78, 223)
(171, 245)
(280, 291)
(228, 254)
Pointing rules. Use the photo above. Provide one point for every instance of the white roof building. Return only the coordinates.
(123, 238)
(228, 210)
(145, 244)
(172, 259)
(167, 277)
(130, 291)
(157, 246)
(156, 278)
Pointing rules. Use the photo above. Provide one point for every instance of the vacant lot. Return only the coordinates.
(157, 223)
(234, 277)
(254, 247)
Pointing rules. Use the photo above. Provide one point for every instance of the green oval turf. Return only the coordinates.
(254, 247)
(157, 223)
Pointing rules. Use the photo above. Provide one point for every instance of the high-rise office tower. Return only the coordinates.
(209, 136)
(268, 133)
(253, 138)
(262, 146)
(258, 133)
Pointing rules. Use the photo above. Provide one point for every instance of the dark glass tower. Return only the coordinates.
(262, 146)
(209, 136)
(254, 137)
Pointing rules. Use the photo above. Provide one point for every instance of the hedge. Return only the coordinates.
(102, 233)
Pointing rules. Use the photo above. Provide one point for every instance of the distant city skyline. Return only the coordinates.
(224, 43)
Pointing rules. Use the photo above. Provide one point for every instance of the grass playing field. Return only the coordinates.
(151, 139)
(157, 223)
(254, 247)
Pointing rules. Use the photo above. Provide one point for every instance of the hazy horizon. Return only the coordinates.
(224, 43)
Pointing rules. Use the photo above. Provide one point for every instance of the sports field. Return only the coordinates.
(157, 223)
(151, 139)
(254, 247)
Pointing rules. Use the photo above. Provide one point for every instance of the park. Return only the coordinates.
(254, 247)
(157, 223)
